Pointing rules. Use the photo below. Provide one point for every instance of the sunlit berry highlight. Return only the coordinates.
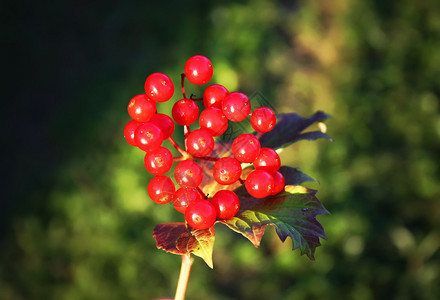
(214, 121)
(263, 119)
(213, 96)
(226, 204)
(183, 197)
(141, 108)
(188, 173)
(226, 170)
(159, 87)
(148, 137)
(200, 143)
(259, 184)
(200, 214)
(198, 69)
(246, 148)
(158, 161)
(161, 189)
(236, 106)
(185, 112)
(268, 160)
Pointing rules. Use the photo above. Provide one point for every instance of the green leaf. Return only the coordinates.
(293, 176)
(178, 239)
(289, 129)
(292, 213)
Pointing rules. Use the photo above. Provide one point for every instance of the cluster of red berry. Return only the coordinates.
(149, 129)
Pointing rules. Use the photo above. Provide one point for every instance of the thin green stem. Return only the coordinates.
(185, 270)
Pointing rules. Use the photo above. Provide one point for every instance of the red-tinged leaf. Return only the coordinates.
(292, 213)
(178, 239)
(289, 129)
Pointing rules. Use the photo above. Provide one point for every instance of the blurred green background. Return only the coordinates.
(76, 221)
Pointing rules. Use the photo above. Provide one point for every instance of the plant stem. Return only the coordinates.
(186, 130)
(178, 148)
(183, 85)
(202, 194)
(210, 158)
(185, 269)
(180, 158)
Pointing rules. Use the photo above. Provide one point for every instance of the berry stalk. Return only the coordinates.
(185, 270)
(202, 194)
(178, 148)
(183, 85)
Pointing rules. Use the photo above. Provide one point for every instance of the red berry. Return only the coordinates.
(185, 112)
(148, 137)
(226, 204)
(199, 143)
(141, 109)
(227, 170)
(246, 148)
(165, 123)
(188, 173)
(214, 95)
(200, 214)
(214, 121)
(158, 161)
(279, 182)
(198, 69)
(263, 119)
(259, 184)
(129, 130)
(236, 106)
(161, 189)
(159, 87)
(184, 196)
(268, 160)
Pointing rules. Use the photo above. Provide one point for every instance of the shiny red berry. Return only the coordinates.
(200, 214)
(188, 173)
(259, 184)
(226, 204)
(214, 95)
(185, 112)
(214, 121)
(161, 189)
(148, 137)
(226, 170)
(141, 108)
(184, 196)
(246, 148)
(165, 123)
(279, 183)
(158, 161)
(263, 119)
(199, 143)
(129, 130)
(236, 106)
(268, 160)
(198, 69)
(159, 87)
